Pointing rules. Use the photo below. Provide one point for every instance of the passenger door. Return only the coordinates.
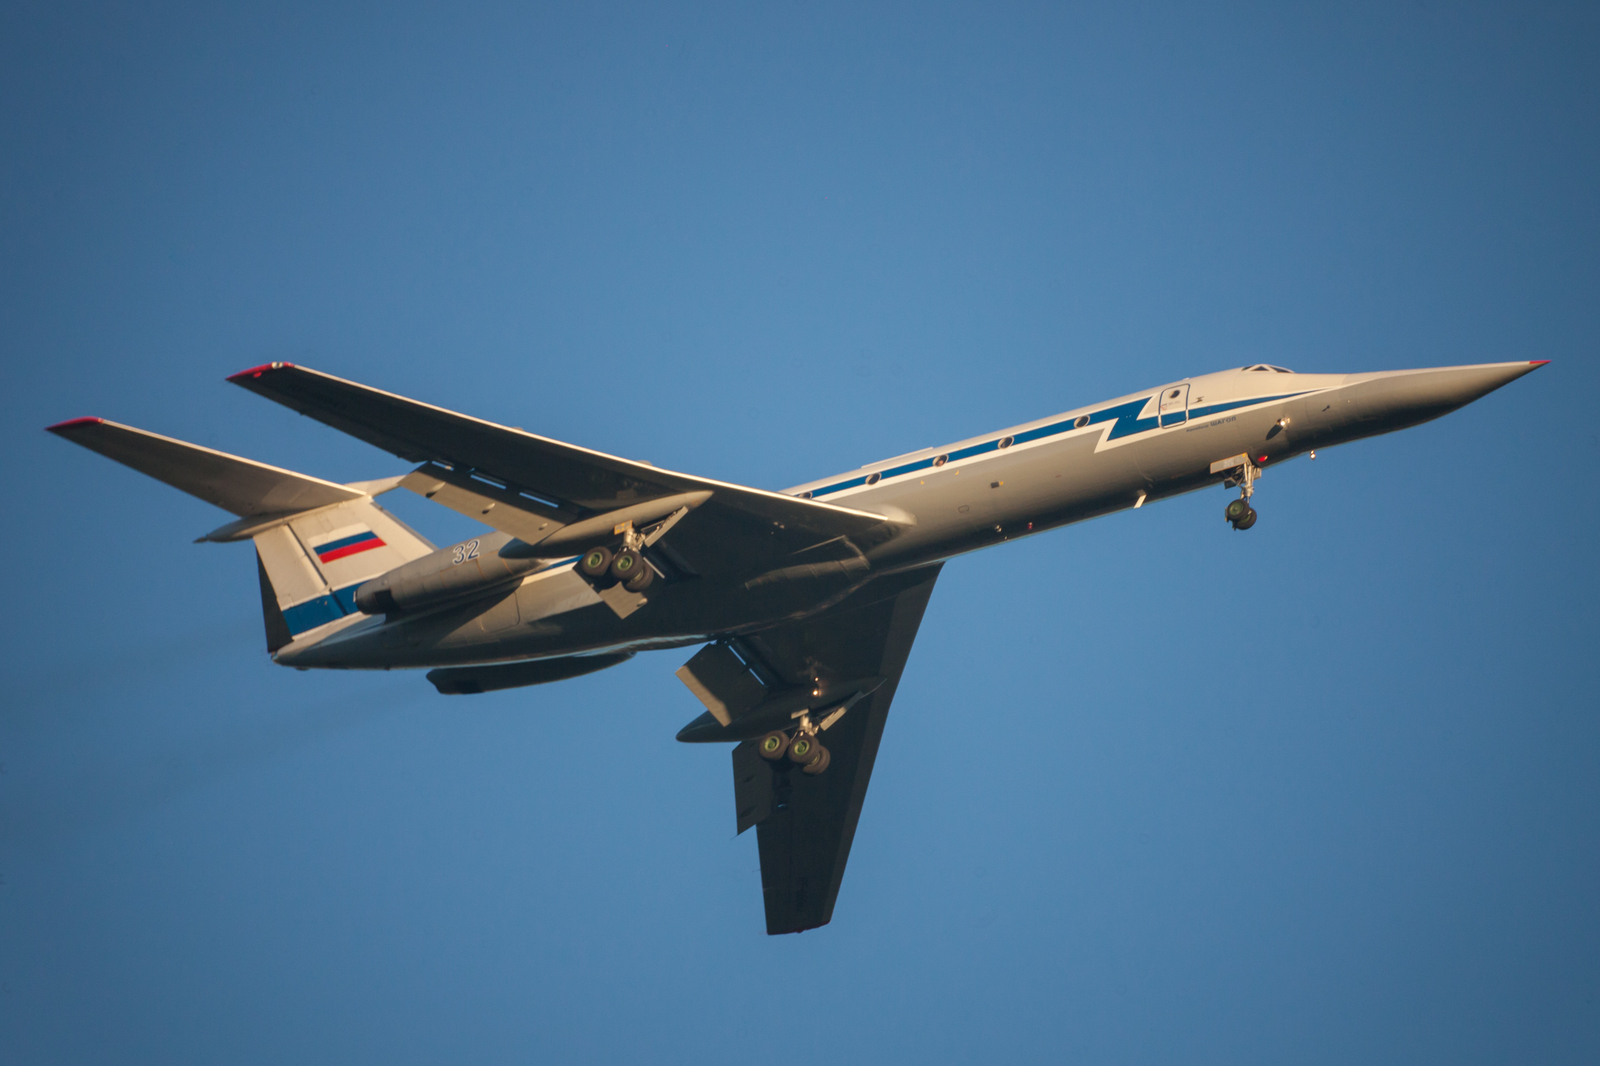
(1174, 407)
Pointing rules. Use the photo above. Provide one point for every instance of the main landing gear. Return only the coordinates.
(625, 566)
(1239, 512)
(802, 748)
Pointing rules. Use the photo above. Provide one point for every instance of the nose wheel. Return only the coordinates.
(1239, 513)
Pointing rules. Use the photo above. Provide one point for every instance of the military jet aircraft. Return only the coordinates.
(807, 600)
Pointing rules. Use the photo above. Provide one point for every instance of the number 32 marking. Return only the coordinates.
(463, 552)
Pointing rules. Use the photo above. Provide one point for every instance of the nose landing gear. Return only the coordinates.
(1239, 512)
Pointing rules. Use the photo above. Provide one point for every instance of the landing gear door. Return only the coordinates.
(1174, 409)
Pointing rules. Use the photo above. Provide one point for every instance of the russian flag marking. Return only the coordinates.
(352, 544)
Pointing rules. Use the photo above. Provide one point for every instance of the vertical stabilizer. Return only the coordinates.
(314, 562)
(316, 540)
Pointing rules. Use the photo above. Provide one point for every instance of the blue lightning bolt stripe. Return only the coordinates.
(1125, 417)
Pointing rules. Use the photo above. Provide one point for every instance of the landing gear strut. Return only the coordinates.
(626, 566)
(1239, 512)
(802, 747)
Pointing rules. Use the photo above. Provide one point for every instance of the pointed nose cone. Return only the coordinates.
(1462, 385)
(1406, 397)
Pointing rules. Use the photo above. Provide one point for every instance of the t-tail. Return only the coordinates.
(316, 541)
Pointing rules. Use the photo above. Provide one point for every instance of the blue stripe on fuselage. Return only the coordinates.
(1124, 415)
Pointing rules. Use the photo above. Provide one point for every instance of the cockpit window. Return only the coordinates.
(1269, 369)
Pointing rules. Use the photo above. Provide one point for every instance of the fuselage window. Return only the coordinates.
(940, 460)
(1005, 442)
(873, 479)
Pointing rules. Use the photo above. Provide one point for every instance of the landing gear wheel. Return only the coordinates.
(803, 748)
(1236, 510)
(642, 578)
(597, 563)
(1248, 520)
(818, 764)
(626, 565)
(773, 746)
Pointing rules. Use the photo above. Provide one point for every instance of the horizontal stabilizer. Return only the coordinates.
(470, 680)
(239, 486)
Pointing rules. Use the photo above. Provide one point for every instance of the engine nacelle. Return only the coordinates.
(446, 574)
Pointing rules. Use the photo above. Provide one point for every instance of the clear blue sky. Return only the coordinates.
(1151, 792)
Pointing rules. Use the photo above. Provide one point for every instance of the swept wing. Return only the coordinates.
(804, 823)
(532, 486)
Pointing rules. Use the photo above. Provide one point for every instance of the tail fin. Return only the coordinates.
(315, 540)
(315, 561)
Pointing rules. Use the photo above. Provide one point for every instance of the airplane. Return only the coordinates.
(806, 601)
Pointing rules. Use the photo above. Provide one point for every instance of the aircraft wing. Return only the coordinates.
(805, 824)
(526, 485)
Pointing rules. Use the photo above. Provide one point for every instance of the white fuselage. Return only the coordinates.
(939, 502)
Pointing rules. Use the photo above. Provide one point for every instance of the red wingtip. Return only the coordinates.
(257, 371)
(69, 423)
(1537, 362)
